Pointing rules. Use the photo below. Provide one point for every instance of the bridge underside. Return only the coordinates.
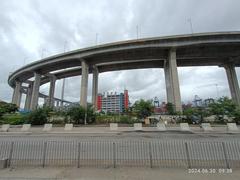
(217, 49)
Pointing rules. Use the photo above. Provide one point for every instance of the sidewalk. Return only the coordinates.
(112, 174)
(106, 130)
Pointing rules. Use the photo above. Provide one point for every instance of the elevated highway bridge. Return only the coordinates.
(203, 49)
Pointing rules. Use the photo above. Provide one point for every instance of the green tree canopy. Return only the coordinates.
(143, 108)
(77, 114)
(7, 108)
(223, 106)
(170, 109)
(39, 116)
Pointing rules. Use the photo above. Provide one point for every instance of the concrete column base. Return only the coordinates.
(50, 101)
(35, 93)
(95, 87)
(28, 97)
(17, 95)
(172, 82)
(233, 83)
(84, 84)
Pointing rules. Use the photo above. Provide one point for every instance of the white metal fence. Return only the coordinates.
(160, 153)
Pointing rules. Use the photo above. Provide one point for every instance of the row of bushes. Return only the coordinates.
(124, 119)
(75, 115)
(40, 116)
(13, 119)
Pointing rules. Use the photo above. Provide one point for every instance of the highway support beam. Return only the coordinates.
(172, 81)
(50, 101)
(28, 96)
(17, 95)
(233, 83)
(95, 87)
(35, 92)
(84, 84)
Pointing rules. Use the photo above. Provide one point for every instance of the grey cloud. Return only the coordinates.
(28, 27)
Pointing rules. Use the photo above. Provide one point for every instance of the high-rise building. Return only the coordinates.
(113, 102)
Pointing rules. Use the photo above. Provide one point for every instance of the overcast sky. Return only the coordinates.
(30, 29)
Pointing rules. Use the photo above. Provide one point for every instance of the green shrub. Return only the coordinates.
(143, 108)
(39, 116)
(7, 108)
(104, 119)
(14, 119)
(124, 119)
(58, 121)
(77, 115)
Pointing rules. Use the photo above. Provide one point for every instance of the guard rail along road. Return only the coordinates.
(117, 153)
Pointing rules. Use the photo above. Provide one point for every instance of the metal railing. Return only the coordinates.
(158, 153)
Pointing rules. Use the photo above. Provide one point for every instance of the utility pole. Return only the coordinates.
(96, 40)
(42, 53)
(217, 90)
(63, 83)
(137, 31)
(190, 23)
(24, 60)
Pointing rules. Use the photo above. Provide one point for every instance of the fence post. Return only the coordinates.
(78, 163)
(44, 153)
(188, 157)
(10, 154)
(114, 155)
(150, 154)
(225, 155)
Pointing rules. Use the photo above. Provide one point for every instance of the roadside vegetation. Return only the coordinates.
(223, 110)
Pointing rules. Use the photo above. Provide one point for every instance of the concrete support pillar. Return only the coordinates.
(51, 91)
(233, 82)
(45, 101)
(16, 99)
(19, 99)
(58, 103)
(28, 96)
(84, 84)
(95, 87)
(35, 92)
(63, 90)
(171, 80)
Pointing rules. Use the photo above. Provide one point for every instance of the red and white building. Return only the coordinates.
(113, 102)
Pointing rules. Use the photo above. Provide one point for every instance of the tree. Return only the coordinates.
(223, 107)
(170, 108)
(143, 108)
(7, 108)
(236, 115)
(195, 114)
(39, 116)
(77, 114)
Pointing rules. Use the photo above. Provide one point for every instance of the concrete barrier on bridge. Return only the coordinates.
(47, 127)
(68, 127)
(25, 127)
(137, 126)
(206, 126)
(161, 127)
(113, 126)
(232, 127)
(184, 127)
(5, 127)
